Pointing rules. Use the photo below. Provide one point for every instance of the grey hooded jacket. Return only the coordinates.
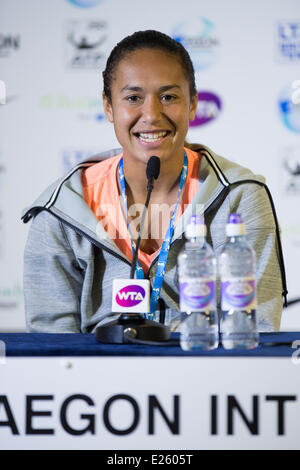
(70, 261)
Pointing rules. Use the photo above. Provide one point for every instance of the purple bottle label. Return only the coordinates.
(197, 295)
(238, 293)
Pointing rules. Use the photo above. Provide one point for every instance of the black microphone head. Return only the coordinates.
(153, 168)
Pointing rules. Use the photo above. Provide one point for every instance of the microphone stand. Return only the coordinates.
(133, 326)
(138, 242)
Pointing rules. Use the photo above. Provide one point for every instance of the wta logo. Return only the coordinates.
(208, 109)
(129, 296)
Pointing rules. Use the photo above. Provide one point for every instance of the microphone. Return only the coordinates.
(152, 172)
(131, 326)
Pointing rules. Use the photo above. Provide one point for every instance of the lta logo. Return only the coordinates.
(288, 34)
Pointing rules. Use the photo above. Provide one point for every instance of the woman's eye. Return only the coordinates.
(133, 98)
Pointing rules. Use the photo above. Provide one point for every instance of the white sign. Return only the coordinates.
(136, 403)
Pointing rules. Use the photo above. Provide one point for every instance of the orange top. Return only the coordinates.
(101, 193)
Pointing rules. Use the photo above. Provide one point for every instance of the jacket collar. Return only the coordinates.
(64, 198)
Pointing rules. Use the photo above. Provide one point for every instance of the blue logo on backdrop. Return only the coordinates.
(199, 38)
(289, 107)
(85, 39)
(85, 3)
(288, 33)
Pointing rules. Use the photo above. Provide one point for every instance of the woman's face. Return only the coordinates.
(150, 106)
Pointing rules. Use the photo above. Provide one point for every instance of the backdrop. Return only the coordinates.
(52, 52)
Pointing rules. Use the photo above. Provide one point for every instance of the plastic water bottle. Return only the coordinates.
(197, 289)
(237, 265)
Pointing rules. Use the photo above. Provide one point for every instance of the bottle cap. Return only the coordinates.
(235, 225)
(196, 227)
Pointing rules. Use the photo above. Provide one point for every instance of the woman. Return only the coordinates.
(79, 239)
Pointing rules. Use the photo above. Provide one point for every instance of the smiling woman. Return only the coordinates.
(150, 108)
(85, 228)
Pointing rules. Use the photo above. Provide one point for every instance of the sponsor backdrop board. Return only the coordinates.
(246, 57)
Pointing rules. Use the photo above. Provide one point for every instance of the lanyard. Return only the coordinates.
(164, 251)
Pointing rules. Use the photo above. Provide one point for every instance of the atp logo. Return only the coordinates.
(289, 106)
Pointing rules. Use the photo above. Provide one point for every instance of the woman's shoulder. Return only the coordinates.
(100, 170)
(230, 169)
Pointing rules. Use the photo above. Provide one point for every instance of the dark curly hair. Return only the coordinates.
(148, 39)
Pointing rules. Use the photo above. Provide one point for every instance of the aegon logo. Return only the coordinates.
(129, 296)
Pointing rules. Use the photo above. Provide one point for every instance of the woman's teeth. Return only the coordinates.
(152, 137)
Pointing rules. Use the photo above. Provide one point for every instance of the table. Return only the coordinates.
(66, 391)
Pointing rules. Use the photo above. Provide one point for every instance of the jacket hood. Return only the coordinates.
(64, 198)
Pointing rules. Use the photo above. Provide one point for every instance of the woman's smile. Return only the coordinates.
(152, 139)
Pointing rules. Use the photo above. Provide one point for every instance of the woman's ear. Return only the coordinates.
(193, 107)
(107, 108)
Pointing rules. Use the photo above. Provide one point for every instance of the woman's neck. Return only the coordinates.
(162, 203)
(164, 186)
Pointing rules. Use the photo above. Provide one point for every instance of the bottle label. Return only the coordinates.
(238, 293)
(197, 294)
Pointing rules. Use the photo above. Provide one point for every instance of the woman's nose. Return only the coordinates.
(152, 108)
